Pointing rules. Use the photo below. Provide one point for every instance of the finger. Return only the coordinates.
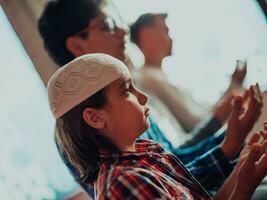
(253, 93)
(264, 146)
(248, 98)
(262, 165)
(257, 94)
(233, 94)
(255, 104)
(263, 134)
(254, 139)
(246, 94)
(252, 104)
(265, 125)
(236, 108)
(254, 155)
(259, 91)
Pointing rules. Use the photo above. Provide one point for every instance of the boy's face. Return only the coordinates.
(127, 111)
(101, 39)
(159, 37)
(162, 35)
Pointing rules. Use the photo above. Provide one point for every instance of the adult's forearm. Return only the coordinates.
(238, 194)
(209, 126)
(228, 188)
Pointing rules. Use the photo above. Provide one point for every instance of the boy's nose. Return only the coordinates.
(142, 98)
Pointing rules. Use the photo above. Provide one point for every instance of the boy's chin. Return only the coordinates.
(146, 126)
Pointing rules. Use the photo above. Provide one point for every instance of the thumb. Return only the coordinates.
(253, 156)
(254, 139)
(236, 108)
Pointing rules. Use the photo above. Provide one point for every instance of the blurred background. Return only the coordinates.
(208, 35)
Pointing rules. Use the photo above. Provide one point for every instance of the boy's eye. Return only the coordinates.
(128, 88)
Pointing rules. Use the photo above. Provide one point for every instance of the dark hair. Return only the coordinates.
(79, 143)
(62, 19)
(144, 20)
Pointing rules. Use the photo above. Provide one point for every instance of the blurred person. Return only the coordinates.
(151, 34)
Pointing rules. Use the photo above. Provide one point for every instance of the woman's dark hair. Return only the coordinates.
(79, 143)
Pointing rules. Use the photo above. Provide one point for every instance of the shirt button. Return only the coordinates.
(149, 153)
(163, 159)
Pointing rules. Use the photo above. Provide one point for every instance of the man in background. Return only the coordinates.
(151, 34)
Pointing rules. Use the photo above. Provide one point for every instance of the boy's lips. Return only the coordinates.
(122, 45)
(147, 112)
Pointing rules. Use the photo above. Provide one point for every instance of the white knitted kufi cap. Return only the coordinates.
(81, 78)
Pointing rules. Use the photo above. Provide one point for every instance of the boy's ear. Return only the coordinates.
(145, 34)
(76, 45)
(95, 118)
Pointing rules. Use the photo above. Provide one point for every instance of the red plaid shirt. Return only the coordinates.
(147, 173)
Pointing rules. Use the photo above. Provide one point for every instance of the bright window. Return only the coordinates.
(30, 166)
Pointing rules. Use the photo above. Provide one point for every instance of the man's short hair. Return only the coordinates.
(62, 19)
(144, 20)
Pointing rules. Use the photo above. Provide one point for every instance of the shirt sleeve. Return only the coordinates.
(132, 185)
(211, 169)
(207, 127)
(188, 154)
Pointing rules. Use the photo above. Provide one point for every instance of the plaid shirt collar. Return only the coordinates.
(142, 148)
